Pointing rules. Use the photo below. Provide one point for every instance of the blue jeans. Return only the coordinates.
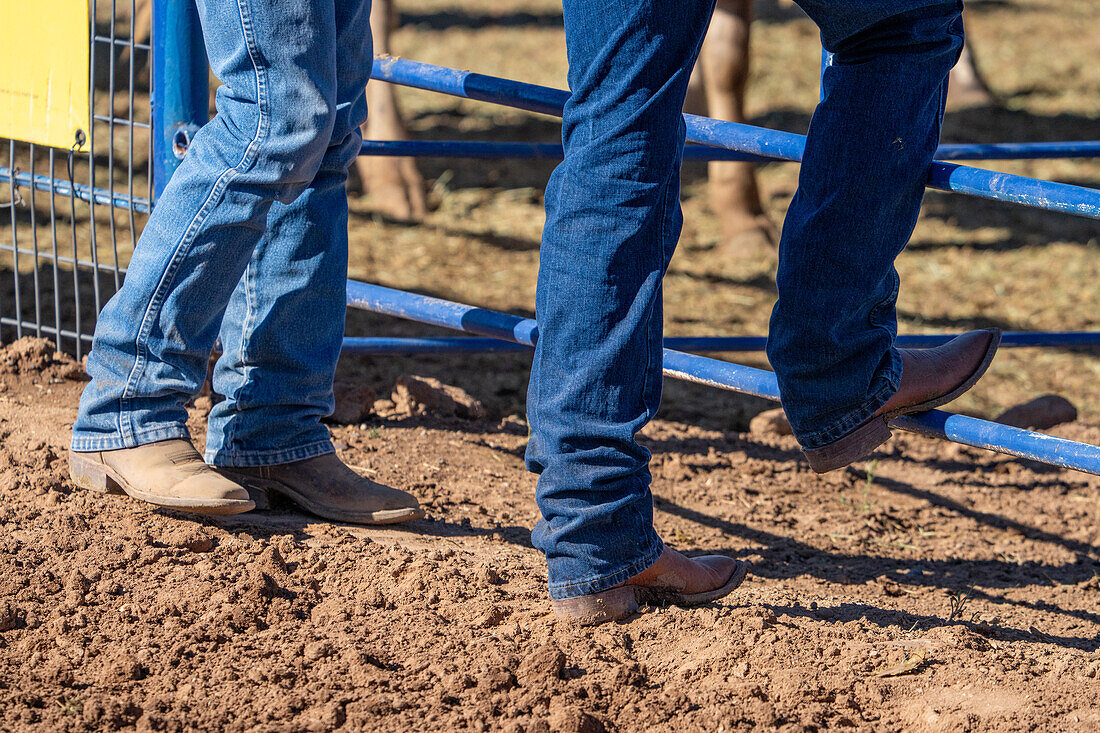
(613, 218)
(248, 242)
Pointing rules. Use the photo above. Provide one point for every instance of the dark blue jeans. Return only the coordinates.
(613, 218)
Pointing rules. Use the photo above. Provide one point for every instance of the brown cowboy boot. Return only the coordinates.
(673, 580)
(324, 486)
(929, 378)
(170, 473)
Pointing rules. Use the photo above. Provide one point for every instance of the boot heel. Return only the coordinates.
(851, 447)
(89, 474)
(598, 608)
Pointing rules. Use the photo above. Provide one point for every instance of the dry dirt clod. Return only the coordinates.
(496, 679)
(492, 617)
(413, 395)
(354, 402)
(38, 357)
(9, 616)
(568, 719)
(187, 537)
(770, 423)
(1041, 413)
(488, 575)
(546, 663)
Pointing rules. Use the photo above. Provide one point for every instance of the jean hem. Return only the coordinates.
(855, 418)
(119, 442)
(253, 459)
(561, 591)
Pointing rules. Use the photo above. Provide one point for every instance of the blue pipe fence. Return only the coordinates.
(553, 151)
(180, 95)
(760, 141)
(387, 345)
(178, 106)
(755, 144)
(724, 375)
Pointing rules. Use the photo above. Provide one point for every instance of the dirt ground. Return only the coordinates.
(932, 587)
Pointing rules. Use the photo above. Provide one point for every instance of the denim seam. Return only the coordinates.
(126, 425)
(649, 413)
(890, 298)
(254, 459)
(614, 579)
(149, 435)
(242, 350)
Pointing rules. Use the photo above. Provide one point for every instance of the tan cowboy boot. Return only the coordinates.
(929, 378)
(326, 487)
(674, 580)
(170, 473)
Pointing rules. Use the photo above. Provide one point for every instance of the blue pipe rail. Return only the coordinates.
(1019, 151)
(479, 150)
(992, 185)
(723, 375)
(62, 187)
(385, 345)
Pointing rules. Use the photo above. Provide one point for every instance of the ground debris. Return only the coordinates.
(354, 402)
(1041, 413)
(413, 395)
(770, 423)
(39, 357)
(912, 662)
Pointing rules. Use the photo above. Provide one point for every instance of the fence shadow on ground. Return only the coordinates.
(785, 557)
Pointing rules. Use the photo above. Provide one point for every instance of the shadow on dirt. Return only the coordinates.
(785, 557)
(283, 518)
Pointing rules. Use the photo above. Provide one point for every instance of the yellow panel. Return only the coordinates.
(44, 71)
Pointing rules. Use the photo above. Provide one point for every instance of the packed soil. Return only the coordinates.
(931, 587)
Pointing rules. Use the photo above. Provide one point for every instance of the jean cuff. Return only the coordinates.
(649, 555)
(89, 444)
(859, 415)
(277, 457)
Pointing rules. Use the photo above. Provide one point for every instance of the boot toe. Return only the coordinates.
(210, 487)
(390, 499)
(720, 566)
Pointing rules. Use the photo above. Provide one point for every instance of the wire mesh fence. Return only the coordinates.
(70, 219)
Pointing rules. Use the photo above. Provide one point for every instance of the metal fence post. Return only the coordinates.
(180, 91)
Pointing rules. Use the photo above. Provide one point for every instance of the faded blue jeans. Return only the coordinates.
(613, 218)
(247, 242)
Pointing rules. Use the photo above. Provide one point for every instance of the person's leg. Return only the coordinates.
(266, 143)
(868, 151)
(274, 121)
(612, 221)
(282, 332)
